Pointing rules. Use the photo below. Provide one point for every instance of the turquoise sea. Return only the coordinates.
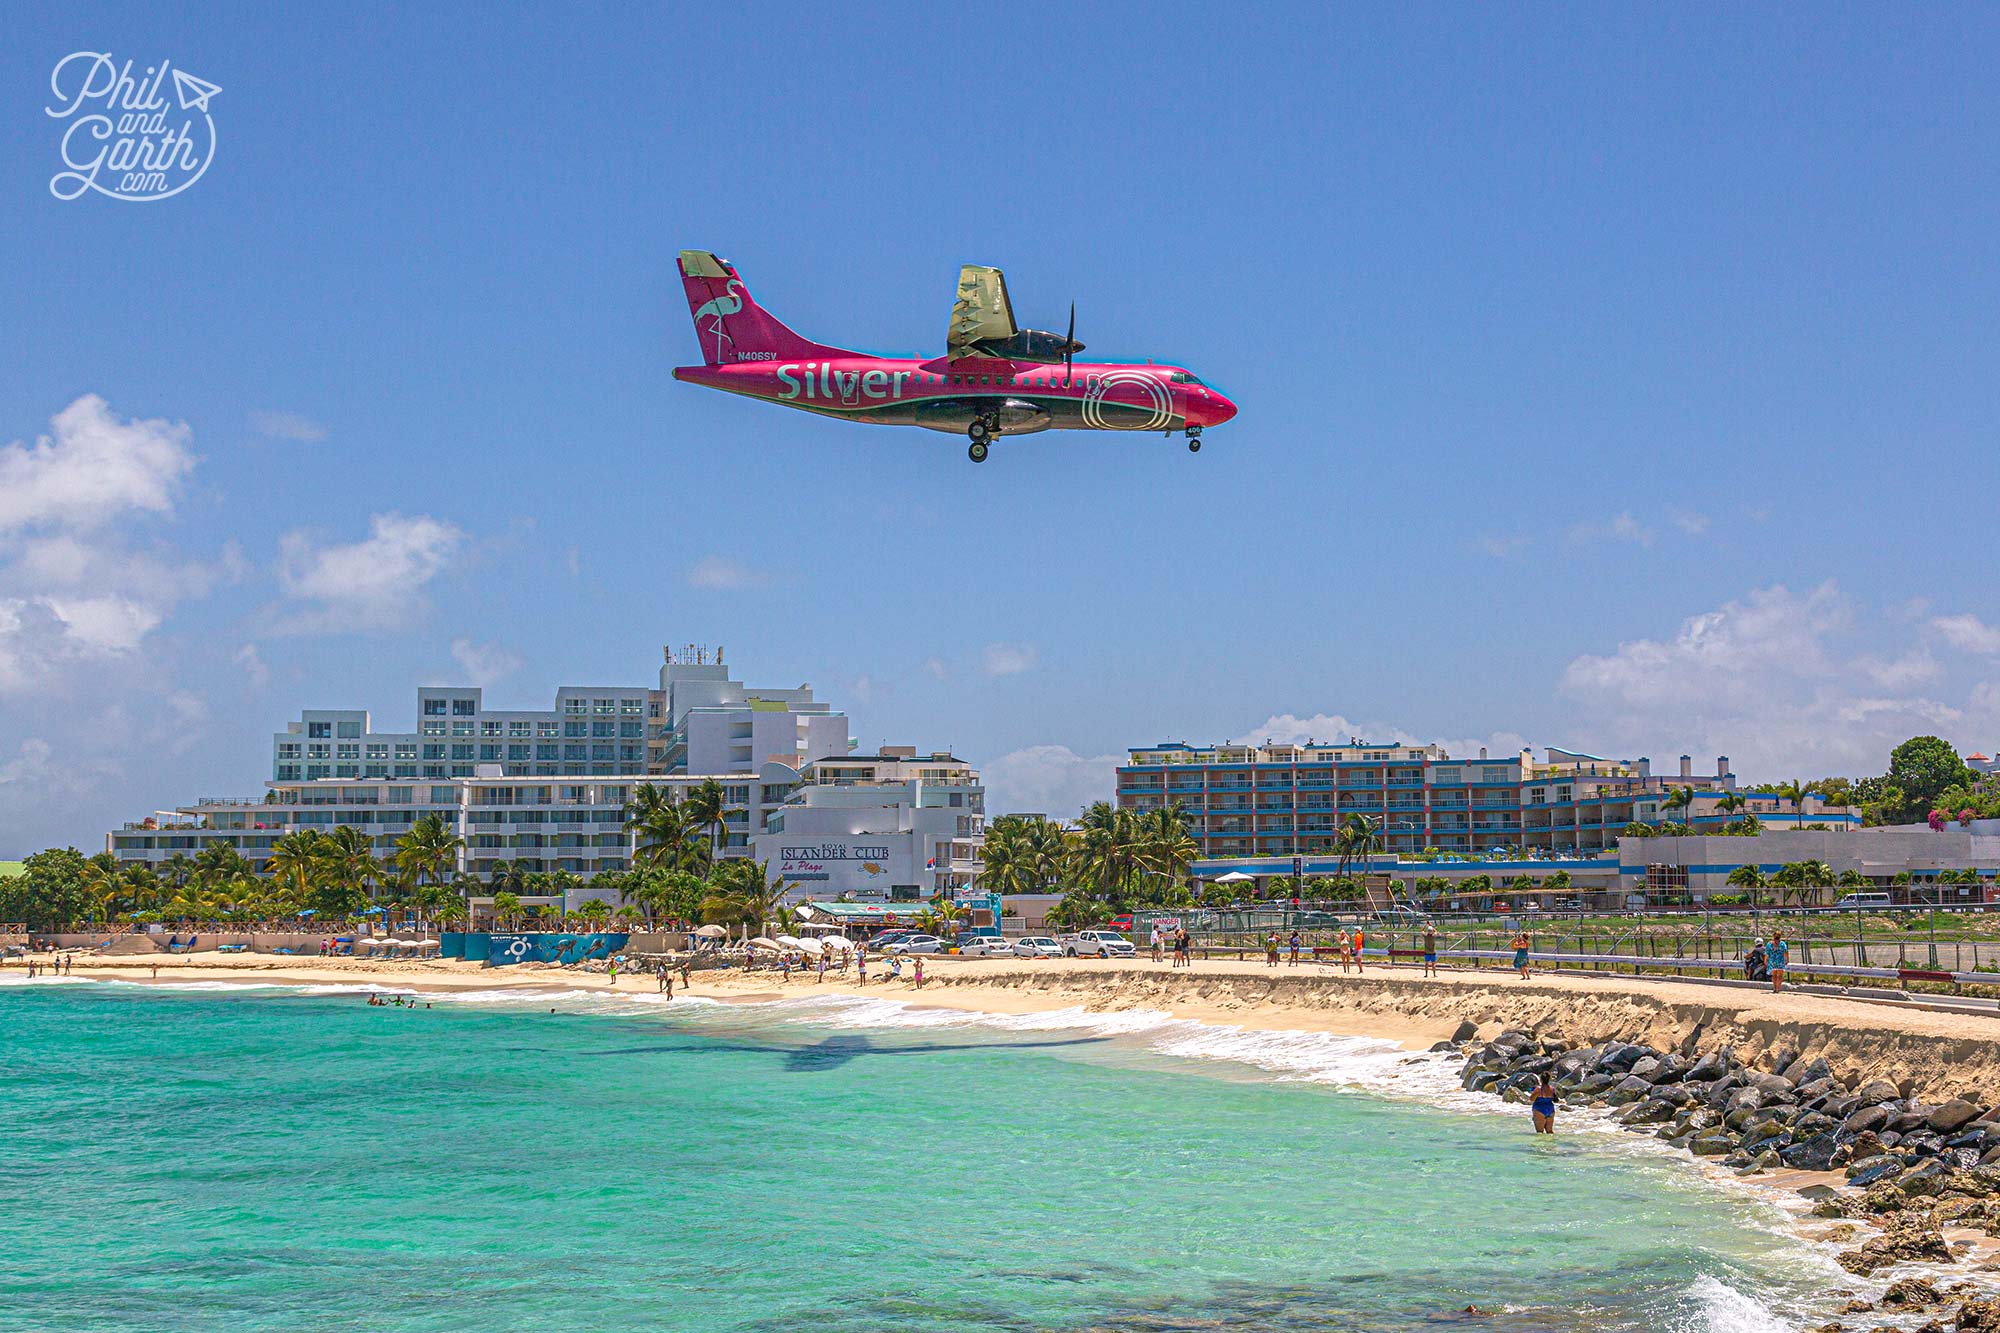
(292, 1159)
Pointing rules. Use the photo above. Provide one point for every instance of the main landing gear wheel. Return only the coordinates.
(977, 452)
(1194, 445)
(980, 431)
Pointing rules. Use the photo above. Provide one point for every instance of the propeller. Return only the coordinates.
(1069, 344)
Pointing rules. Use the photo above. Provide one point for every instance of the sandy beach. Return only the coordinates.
(1941, 1054)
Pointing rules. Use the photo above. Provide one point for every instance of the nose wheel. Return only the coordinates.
(1194, 439)
(977, 451)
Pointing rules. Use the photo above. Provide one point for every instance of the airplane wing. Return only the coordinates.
(982, 311)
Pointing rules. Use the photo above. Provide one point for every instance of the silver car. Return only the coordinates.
(986, 946)
(1037, 946)
(916, 944)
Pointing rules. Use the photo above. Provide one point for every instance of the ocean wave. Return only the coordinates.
(1717, 1307)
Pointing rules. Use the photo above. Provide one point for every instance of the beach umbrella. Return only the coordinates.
(789, 941)
(711, 932)
(838, 943)
(761, 943)
(1234, 877)
(812, 948)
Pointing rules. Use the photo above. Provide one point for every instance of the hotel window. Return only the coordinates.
(319, 751)
(434, 708)
(630, 707)
(461, 728)
(288, 749)
(518, 729)
(548, 752)
(433, 752)
(319, 731)
(489, 754)
(405, 751)
(433, 729)
(576, 729)
(464, 708)
(377, 771)
(517, 753)
(576, 705)
(546, 729)
(397, 796)
(376, 751)
(347, 731)
(406, 770)
(461, 752)
(444, 796)
(603, 730)
(607, 705)
(489, 728)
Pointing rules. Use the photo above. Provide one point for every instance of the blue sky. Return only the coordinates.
(1623, 381)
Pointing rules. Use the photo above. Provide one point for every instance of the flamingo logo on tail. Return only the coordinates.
(728, 303)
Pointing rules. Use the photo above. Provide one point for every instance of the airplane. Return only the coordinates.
(994, 379)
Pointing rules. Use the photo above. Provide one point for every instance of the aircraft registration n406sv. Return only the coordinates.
(994, 379)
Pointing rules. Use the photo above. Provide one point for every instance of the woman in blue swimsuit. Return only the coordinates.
(1544, 1107)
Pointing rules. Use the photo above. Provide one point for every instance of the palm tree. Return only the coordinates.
(1796, 792)
(1166, 848)
(176, 870)
(217, 864)
(295, 861)
(662, 828)
(1679, 798)
(428, 849)
(743, 891)
(1358, 840)
(1749, 877)
(708, 808)
(350, 857)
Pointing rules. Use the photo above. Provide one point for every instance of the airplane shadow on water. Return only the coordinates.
(830, 1053)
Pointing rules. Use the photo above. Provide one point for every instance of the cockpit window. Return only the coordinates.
(1182, 377)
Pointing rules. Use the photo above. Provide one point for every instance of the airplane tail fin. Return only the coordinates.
(728, 322)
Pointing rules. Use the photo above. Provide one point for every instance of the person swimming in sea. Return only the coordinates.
(1544, 1106)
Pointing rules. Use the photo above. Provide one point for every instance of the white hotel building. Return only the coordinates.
(548, 790)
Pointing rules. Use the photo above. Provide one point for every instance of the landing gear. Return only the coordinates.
(981, 431)
(1194, 439)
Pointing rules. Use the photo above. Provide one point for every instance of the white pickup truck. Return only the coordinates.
(1096, 944)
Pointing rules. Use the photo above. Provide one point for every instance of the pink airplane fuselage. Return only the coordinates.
(945, 394)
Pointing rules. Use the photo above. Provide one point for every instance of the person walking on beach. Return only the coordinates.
(1154, 941)
(661, 976)
(1358, 944)
(1430, 950)
(614, 971)
(861, 965)
(1521, 945)
(1271, 949)
(1295, 949)
(1775, 957)
(1544, 1106)
(822, 969)
(919, 965)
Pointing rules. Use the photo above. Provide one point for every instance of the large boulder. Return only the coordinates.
(1925, 1178)
(1651, 1111)
(1811, 1154)
(1912, 1293)
(1953, 1115)
(1876, 1090)
(1645, 1067)
(1743, 1099)
(1886, 1167)
(1866, 1119)
(1627, 1089)
(1710, 1067)
(1812, 1071)
(1979, 1317)
(1712, 1144)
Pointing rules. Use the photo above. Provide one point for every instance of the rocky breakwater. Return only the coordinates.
(1914, 1168)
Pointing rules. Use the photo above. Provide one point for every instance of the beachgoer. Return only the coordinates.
(1521, 944)
(661, 976)
(614, 971)
(1430, 950)
(1357, 948)
(785, 968)
(685, 982)
(1271, 949)
(1154, 942)
(861, 965)
(1187, 948)
(1544, 1106)
(1295, 949)
(919, 963)
(895, 967)
(1778, 954)
(156, 971)
(822, 970)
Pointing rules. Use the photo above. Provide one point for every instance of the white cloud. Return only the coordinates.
(483, 663)
(375, 583)
(104, 624)
(92, 468)
(1324, 728)
(1969, 633)
(717, 573)
(1764, 679)
(1010, 659)
(1502, 547)
(1049, 779)
(287, 426)
(1621, 528)
(253, 665)
(1687, 520)
(935, 668)
(1729, 654)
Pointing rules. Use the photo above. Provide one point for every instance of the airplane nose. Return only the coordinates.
(1220, 409)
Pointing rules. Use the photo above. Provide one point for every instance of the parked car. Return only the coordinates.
(1854, 900)
(910, 944)
(1037, 946)
(889, 937)
(1097, 944)
(986, 946)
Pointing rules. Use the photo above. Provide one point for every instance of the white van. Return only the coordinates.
(1860, 900)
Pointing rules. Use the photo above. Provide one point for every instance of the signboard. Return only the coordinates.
(862, 864)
